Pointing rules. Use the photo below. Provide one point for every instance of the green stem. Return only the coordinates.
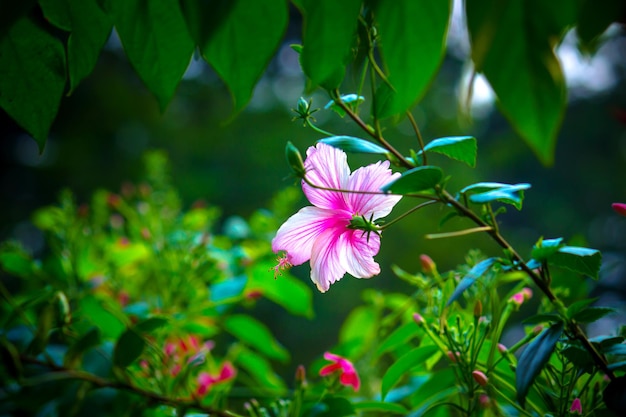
(418, 134)
(317, 129)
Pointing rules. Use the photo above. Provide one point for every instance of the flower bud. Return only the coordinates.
(303, 106)
(417, 318)
(478, 309)
(300, 376)
(619, 208)
(453, 356)
(576, 407)
(480, 378)
(502, 349)
(428, 265)
(484, 400)
(294, 158)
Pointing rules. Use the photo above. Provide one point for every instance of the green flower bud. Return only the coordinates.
(294, 159)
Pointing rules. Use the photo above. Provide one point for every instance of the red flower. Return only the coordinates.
(206, 381)
(347, 376)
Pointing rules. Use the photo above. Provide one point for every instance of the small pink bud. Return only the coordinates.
(537, 329)
(428, 265)
(502, 349)
(453, 356)
(300, 376)
(484, 400)
(576, 407)
(417, 318)
(527, 293)
(619, 208)
(480, 378)
(517, 299)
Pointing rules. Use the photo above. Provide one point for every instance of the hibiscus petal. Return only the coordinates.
(297, 235)
(326, 167)
(359, 251)
(371, 178)
(326, 264)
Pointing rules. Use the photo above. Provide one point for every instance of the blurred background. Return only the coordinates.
(106, 125)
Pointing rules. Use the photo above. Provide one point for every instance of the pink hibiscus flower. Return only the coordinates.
(206, 380)
(322, 233)
(347, 376)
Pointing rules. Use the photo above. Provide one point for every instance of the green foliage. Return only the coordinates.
(415, 180)
(355, 145)
(462, 148)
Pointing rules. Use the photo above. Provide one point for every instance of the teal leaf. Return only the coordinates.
(352, 144)
(128, 348)
(581, 260)
(533, 359)
(545, 248)
(513, 46)
(32, 85)
(243, 41)
(415, 180)
(156, 41)
(461, 148)
(468, 280)
(326, 47)
(488, 192)
(89, 28)
(255, 334)
(352, 100)
(404, 364)
(412, 41)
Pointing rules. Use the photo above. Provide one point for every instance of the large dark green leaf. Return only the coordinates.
(328, 34)
(128, 348)
(581, 260)
(468, 280)
(243, 42)
(533, 359)
(512, 44)
(412, 36)
(545, 248)
(90, 28)
(415, 180)
(156, 41)
(32, 77)
(404, 364)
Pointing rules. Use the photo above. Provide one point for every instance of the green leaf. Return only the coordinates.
(360, 325)
(400, 336)
(12, 11)
(260, 369)
(352, 144)
(581, 260)
(404, 364)
(352, 100)
(326, 47)
(255, 334)
(592, 314)
(10, 359)
(286, 290)
(468, 280)
(412, 40)
(156, 41)
(90, 28)
(488, 192)
(336, 407)
(415, 180)
(542, 318)
(243, 41)
(32, 85)
(15, 260)
(381, 407)
(533, 359)
(128, 348)
(103, 315)
(512, 44)
(545, 248)
(461, 148)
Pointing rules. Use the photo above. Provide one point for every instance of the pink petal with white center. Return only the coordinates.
(326, 258)
(371, 178)
(297, 235)
(326, 167)
(359, 251)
